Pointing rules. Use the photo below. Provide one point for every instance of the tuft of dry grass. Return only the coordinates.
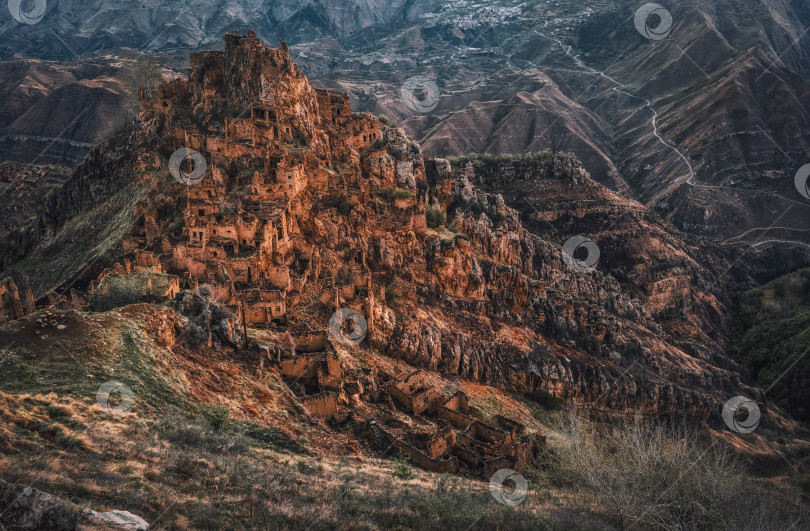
(178, 472)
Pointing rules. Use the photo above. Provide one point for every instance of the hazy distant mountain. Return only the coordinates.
(73, 28)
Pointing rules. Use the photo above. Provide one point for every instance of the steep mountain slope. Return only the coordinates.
(210, 442)
(22, 189)
(772, 323)
(521, 123)
(730, 112)
(54, 113)
(733, 116)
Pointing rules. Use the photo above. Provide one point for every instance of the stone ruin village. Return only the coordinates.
(437, 432)
(278, 149)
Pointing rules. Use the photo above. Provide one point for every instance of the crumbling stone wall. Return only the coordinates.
(456, 410)
(322, 405)
(415, 393)
(447, 465)
(441, 443)
(479, 447)
(11, 306)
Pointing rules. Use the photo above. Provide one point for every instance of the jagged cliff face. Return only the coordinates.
(306, 207)
(648, 307)
(507, 308)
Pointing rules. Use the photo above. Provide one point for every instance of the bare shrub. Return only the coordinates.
(208, 318)
(645, 475)
(121, 290)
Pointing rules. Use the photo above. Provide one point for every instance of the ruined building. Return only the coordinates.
(450, 438)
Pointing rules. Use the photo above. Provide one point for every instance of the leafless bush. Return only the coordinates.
(142, 74)
(647, 475)
(208, 318)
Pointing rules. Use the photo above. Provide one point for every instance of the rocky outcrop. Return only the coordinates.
(110, 521)
(25, 508)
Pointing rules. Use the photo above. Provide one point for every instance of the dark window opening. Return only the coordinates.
(201, 212)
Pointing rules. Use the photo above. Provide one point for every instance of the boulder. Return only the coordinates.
(110, 520)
